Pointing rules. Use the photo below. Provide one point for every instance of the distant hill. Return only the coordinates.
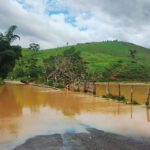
(111, 59)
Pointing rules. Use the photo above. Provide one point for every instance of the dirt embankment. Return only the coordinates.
(94, 140)
(13, 82)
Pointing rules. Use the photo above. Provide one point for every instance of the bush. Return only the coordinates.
(11, 76)
(135, 102)
(59, 85)
(115, 97)
(1, 81)
(39, 80)
(49, 83)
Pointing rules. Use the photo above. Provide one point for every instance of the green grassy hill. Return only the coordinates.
(110, 58)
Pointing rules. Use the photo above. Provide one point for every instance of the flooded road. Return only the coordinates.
(27, 111)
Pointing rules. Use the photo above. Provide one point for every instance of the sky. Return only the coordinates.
(53, 23)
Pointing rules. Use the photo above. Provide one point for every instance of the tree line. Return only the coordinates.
(65, 68)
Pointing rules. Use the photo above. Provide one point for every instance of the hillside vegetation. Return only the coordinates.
(110, 59)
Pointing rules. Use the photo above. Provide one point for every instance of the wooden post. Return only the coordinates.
(107, 89)
(94, 88)
(131, 94)
(67, 89)
(148, 115)
(131, 111)
(119, 93)
(118, 108)
(85, 86)
(148, 97)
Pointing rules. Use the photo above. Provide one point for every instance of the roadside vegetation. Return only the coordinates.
(1, 81)
(60, 70)
(8, 53)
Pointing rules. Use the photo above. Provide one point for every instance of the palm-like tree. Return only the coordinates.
(1, 36)
(9, 35)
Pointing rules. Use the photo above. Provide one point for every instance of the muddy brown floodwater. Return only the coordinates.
(27, 111)
(139, 95)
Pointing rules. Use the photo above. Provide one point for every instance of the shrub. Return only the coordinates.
(11, 76)
(59, 85)
(49, 83)
(135, 103)
(1, 81)
(115, 97)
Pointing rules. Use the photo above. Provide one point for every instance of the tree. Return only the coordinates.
(9, 35)
(26, 67)
(8, 53)
(1, 37)
(8, 56)
(66, 68)
(48, 67)
(35, 47)
(132, 53)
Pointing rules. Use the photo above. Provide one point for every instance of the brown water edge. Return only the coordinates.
(26, 111)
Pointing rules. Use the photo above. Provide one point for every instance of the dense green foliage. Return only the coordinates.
(105, 60)
(26, 68)
(1, 81)
(8, 53)
(61, 69)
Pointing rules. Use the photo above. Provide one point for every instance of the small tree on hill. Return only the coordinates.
(35, 47)
(132, 53)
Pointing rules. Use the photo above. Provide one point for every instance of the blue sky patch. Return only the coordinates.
(71, 20)
(25, 5)
(55, 12)
(83, 29)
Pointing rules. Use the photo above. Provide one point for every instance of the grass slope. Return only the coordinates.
(108, 57)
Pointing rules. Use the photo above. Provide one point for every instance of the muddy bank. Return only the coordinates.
(94, 140)
(13, 82)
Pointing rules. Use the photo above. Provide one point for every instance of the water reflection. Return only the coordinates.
(27, 111)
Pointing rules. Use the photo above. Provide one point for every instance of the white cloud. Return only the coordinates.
(101, 19)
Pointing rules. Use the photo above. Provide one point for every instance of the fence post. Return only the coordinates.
(131, 111)
(94, 88)
(119, 93)
(148, 115)
(85, 86)
(131, 94)
(148, 97)
(107, 89)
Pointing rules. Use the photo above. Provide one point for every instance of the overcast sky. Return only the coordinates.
(53, 23)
